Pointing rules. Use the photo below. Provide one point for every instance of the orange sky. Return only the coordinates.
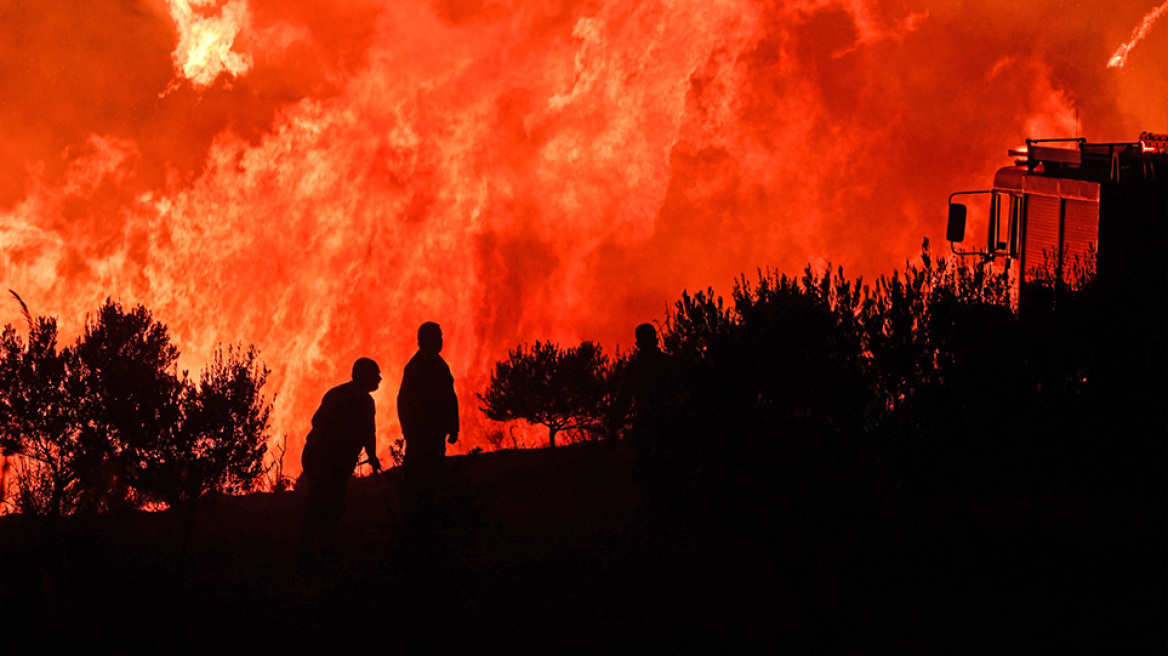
(319, 177)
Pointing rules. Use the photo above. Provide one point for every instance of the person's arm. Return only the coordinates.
(452, 410)
(407, 399)
(369, 436)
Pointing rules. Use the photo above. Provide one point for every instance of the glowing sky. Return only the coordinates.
(319, 177)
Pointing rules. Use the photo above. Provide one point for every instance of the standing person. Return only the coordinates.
(646, 385)
(428, 410)
(646, 393)
(342, 427)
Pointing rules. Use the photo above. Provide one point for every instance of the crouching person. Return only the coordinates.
(342, 427)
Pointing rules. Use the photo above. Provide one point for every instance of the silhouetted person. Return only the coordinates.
(342, 426)
(428, 410)
(646, 383)
(645, 394)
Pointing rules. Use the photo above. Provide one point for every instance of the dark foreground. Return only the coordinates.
(551, 551)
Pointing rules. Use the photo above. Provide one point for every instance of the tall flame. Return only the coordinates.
(318, 178)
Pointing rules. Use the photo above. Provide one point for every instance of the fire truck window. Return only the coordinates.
(998, 229)
(1015, 221)
(992, 237)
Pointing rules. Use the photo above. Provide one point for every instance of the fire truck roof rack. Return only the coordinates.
(1087, 160)
(1053, 157)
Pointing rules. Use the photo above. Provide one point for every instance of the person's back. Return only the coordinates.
(340, 429)
(426, 403)
(648, 390)
(427, 406)
(647, 380)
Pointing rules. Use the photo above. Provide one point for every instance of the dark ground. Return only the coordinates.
(540, 551)
(550, 551)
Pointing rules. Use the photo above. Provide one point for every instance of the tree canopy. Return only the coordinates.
(564, 389)
(109, 422)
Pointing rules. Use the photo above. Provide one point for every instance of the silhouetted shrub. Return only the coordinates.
(564, 389)
(109, 422)
(762, 384)
(219, 440)
(128, 389)
(41, 424)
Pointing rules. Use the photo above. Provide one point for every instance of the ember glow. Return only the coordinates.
(1120, 57)
(204, 45)
(318, 177)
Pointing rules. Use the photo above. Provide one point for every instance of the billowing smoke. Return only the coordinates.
(320, 177)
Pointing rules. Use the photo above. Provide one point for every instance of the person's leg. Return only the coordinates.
(333, 509)
(311, 524)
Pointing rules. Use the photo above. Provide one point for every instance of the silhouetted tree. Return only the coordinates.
(797, 351)
(562, 389)
(697, 326)
(129, 391)
(908, 323)
(219, 440)
(767, 384)
(39, 421)
(109, 422)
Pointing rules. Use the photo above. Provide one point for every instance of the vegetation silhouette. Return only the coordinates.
(109, 423)
(923, 426)
(921, 463)
(562, 389)
(41, 427)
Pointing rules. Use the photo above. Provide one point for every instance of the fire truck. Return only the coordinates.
(1068, 207)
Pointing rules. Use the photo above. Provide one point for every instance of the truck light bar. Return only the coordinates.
(1151, 142)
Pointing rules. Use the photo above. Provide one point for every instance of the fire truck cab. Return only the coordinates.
(1068, 207)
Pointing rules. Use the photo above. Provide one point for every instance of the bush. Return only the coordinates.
(110, 423)
(41, 424)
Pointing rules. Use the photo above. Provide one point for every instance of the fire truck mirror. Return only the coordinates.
(956, 230)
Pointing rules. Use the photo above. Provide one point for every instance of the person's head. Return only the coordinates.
(430, 337)
(367, 374)
(646, 336)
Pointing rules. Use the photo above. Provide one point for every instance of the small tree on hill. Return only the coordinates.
(39, 424)
(219, 441)
(562, 389)
(110, 422)
(128, 389)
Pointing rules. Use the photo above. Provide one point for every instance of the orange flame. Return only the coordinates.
(204, 45)
(319, 178)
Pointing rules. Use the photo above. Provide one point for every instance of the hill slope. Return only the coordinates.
(539, 550)
(552, 551)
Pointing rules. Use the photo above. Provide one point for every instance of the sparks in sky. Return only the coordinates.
(1120, 56)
